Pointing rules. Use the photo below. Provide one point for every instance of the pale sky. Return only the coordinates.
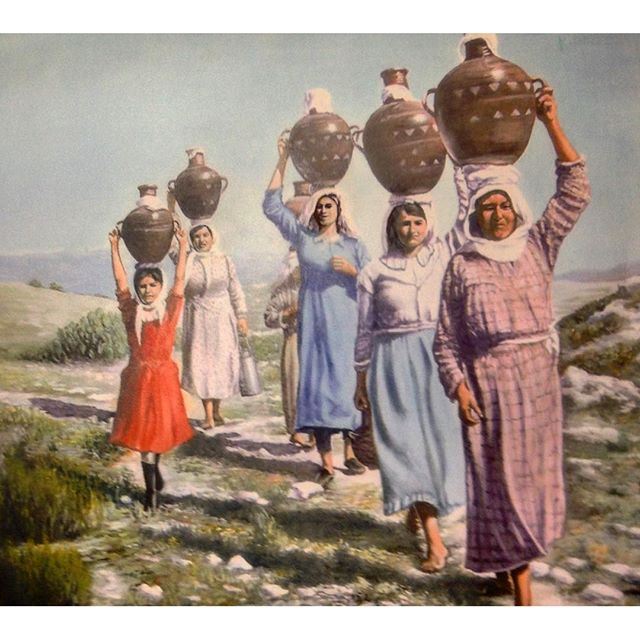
(86, 118)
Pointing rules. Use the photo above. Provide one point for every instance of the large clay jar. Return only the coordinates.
(321, 148)
(198, 188)
(301, 193)
(401, 143)
(146, 231)
(485, 108)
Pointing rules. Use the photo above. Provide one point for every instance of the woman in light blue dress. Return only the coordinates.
(330, 257)
(416, 428)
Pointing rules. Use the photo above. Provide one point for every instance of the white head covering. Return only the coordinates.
(289, 264)
(482, 179)
(155, 310)
(318, 99)
(397, 92)
(345, 223)
(490, 38)
(201, 256)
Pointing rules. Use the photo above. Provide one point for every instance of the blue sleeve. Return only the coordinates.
(282, 217)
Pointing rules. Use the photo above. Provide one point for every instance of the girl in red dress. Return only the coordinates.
(151, 416)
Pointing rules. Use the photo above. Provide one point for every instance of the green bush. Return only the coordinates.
(619, 361)
(42, 503)
(574, 335)
(43, 575)
(99, 335)
(54, 286)
(34, 282)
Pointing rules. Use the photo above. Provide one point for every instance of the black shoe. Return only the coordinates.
(354, 466)
(325, 478)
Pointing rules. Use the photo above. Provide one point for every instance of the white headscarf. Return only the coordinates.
(203, 257)
(289, 264)
(482, 179)
(155, 310)
(318, 99)
(345, 223)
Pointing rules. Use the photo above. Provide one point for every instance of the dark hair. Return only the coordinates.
(474, 226)
(143, 272)
(193, 230)
(336, 199)
(411, 209)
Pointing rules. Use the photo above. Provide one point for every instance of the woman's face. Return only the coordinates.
(202, 239)
(326, 212)
(411, 231)
(496, 217)
(149, 289)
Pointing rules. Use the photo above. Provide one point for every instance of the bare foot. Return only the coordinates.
(218, 420)
(435, 561)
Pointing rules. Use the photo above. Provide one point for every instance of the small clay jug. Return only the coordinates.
(198, 188)
(401, 143)
(321, 147)
(301, 193)
(146, 231)
(485, 108)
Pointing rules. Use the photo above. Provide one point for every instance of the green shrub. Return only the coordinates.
(99, 335)
(42, 503)
(34, 282)
(575, 335)
(43, 575)
(267, 346)
(620, 361)
(54, 286)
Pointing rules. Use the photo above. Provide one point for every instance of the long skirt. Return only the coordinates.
(416, 427)
(515, 484)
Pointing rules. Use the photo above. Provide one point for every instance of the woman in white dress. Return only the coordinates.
(215, 312)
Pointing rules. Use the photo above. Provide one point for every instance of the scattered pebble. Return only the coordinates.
(617, 569)
(577, 564)
(108, 584)
(126, 500)
(213, 560)
(188, 600)
(231, 589)
(273, 591)
(602, 593)
(540, 569)
(152, 593)
(562, 576)
(633, 576)
(245, 577)
(238, 563)
(594, 434)
(251, 496)
(181, 562)
(307, 592)
(304, 490)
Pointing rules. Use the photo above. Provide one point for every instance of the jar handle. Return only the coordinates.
(225, 185)
(543, 84)
(171, 185)
(119, 227)
(425, 102)
(356, 135)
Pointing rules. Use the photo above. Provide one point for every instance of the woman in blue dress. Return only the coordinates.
(415, 426)
(330, 257)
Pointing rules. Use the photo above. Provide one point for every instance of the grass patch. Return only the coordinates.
(619, 361)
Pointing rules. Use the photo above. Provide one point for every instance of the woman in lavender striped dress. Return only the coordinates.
(497, 357)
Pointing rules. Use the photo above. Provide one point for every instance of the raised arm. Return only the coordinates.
(573, 192)
(119, 273)
(183, 243)
(277, 179)
(455, 237)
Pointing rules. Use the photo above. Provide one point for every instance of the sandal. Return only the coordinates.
(355, 466)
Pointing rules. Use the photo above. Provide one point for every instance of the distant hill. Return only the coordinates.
(620, 272)
(89, 272)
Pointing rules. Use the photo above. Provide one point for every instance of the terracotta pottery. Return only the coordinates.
(198, 188)
(401, 143)
(485, 108)
(301, 193)
(146, 232)
(321, 147)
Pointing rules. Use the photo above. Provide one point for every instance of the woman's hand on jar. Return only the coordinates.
(114, 237)
(546, 106)
(342, 265)
(468, 409)
(283, 148)
(243, 327)
(182, 237)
